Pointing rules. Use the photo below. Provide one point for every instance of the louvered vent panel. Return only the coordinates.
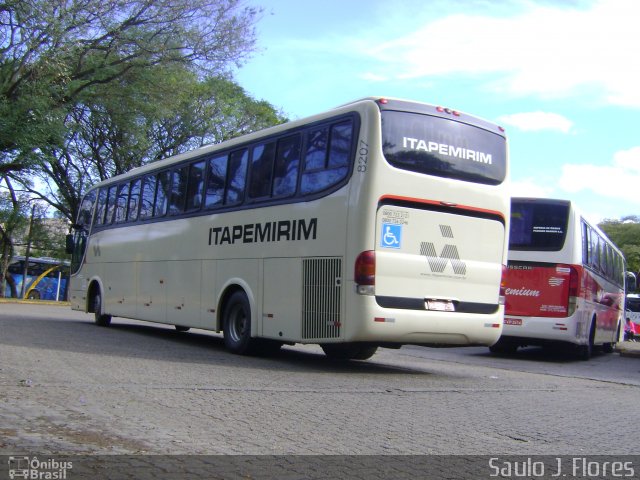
(321, 297)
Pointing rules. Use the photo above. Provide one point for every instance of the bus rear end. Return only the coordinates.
(543, 293)
(433, 273)
(543, 278)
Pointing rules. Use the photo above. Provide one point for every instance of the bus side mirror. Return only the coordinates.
(630, 282)
(69, 244)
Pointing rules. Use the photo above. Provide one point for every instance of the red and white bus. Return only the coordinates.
(565, 280)
(380, 222)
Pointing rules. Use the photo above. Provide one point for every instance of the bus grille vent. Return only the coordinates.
(322, 278)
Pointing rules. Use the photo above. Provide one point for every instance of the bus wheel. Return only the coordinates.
(237, 325)
(349, 351)
(585, 351)
(610, 347)
(101, 319)
(502, 347)
(180, 328)
(34, 295)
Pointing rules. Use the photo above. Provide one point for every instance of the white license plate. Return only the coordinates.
(513, 321)
(441, 305)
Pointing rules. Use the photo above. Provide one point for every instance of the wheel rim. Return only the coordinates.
(238, 323)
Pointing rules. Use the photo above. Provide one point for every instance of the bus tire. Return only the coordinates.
(100, 319)
(502, 347)
(180, 328)
(585, 351)
(349, 351)
(611, 346)
(237, 325)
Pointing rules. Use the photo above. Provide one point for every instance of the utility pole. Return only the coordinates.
(27, 252)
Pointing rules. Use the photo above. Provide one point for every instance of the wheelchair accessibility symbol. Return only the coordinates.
(391, 235)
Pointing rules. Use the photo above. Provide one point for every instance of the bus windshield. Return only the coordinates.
(443, 148)
(538, 226)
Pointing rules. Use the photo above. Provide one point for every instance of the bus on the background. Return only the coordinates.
(46, 279)
(632, 317)
(565, 281)
(379, 223)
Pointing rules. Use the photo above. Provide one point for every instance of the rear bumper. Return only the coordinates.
(367, 321)
(544, 330)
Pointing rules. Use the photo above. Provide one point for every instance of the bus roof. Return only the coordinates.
(384, 103)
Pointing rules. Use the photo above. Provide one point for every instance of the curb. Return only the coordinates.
(52, 303)
(629, 349)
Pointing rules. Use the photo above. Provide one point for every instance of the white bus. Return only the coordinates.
(565, 281)
(379, 223)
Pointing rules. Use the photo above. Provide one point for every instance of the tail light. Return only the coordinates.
(503, 285)
(365, 272)
(574, 290)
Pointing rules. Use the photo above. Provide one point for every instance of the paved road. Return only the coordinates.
(68, 386)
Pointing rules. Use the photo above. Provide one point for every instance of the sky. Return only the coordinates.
(561, 76)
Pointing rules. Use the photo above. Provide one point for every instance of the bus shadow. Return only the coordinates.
(556, 355)
(124, 338)
(287, 358)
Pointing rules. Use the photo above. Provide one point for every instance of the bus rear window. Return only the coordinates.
(538, 226)
(442, 147)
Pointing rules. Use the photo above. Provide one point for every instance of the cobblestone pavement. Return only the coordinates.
(70, 387)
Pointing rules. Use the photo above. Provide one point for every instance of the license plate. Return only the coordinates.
(441, 305)
(513, 321)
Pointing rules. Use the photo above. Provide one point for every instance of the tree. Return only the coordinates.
(12, 218)
(145, 117)
(53, 52)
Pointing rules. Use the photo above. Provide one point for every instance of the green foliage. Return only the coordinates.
(92, 89)
(52, 53)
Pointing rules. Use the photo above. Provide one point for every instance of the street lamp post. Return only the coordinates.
(27, 253)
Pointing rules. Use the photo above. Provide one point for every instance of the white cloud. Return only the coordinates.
(546, 51)
(619, 180)
(373, 77)
(529, 188)
(535, 121)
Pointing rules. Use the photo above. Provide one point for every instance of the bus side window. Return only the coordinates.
(216, 178)
(102, 206)
(163, 189)
(261, 170)
(337, 166)
(340, 150)
(122, 199)
(178, 190)
(148, 195)
(86, 209)
(586, 244)
(237, 176)
(111, 204)
(287, 166)
(134, 201)
(195, 186)
(316, 149)
(594, 257)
